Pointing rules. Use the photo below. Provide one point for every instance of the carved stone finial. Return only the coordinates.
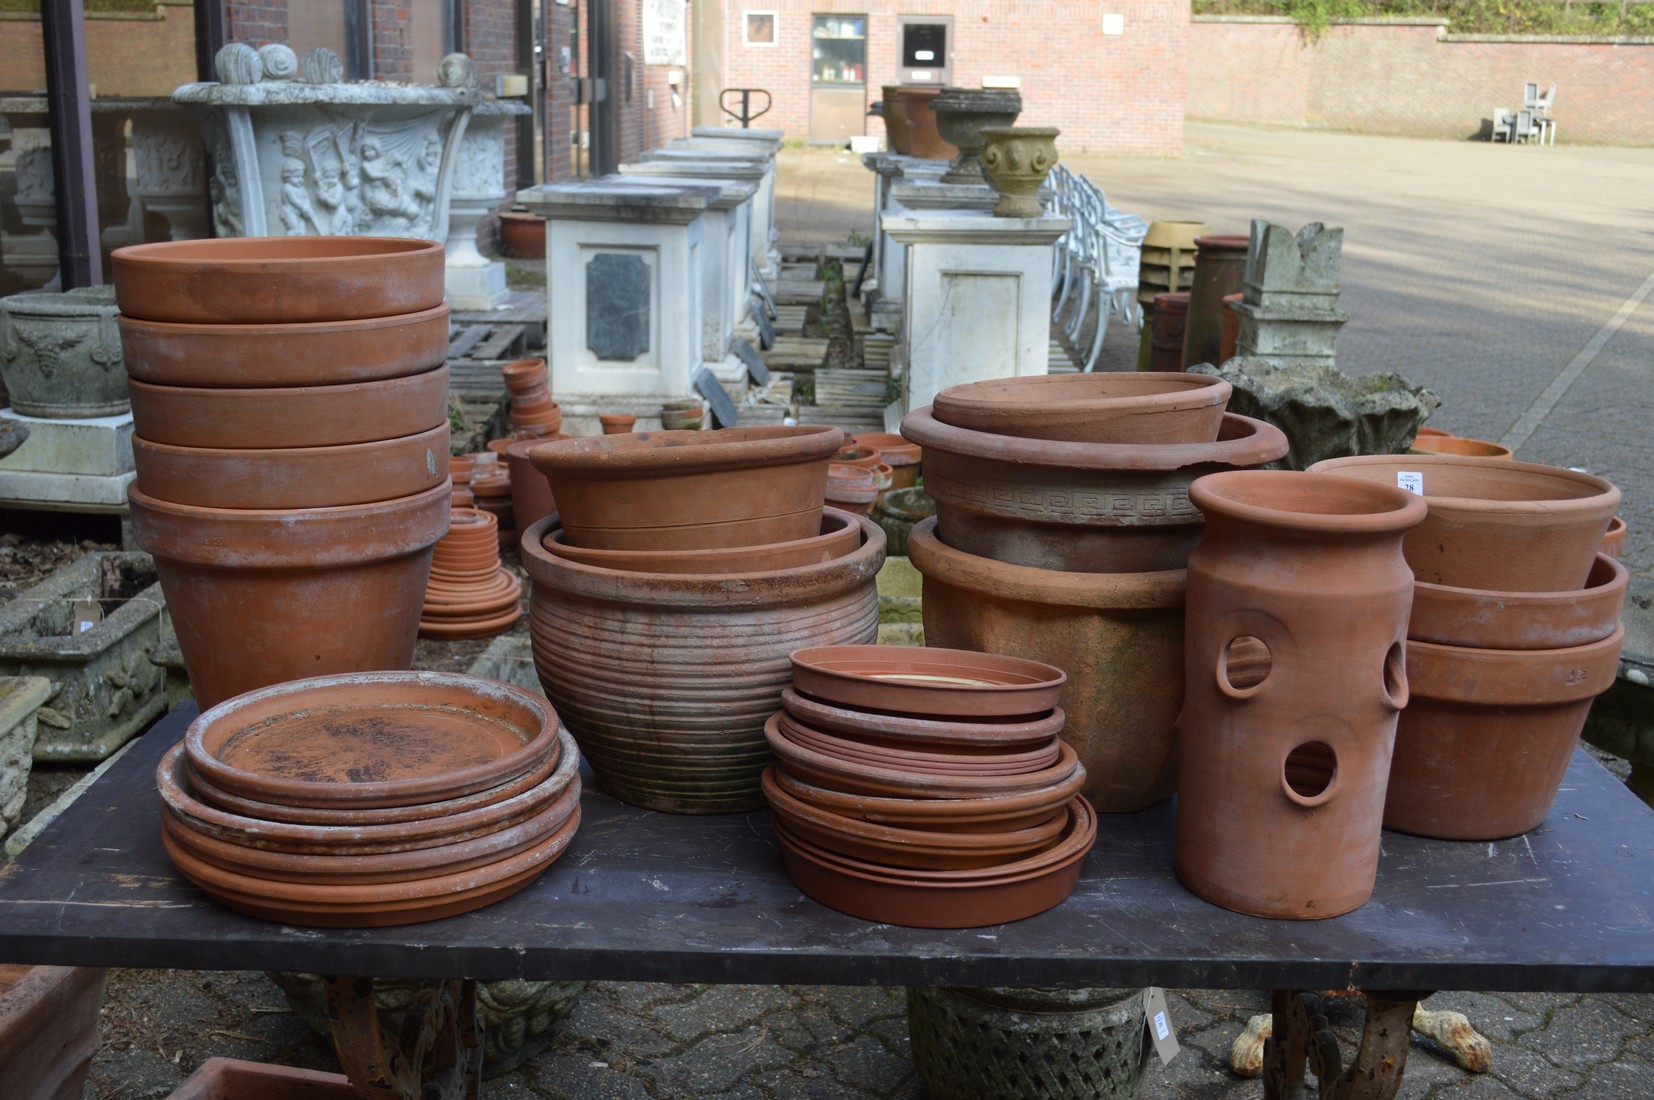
(238, 63)
(1307, 262)
(280, 62)
(322, 66)
(457, 71)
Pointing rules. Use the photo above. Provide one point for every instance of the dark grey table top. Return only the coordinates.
(649, 896)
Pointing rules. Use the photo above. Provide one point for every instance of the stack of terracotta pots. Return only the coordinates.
(1515, 629)
(681, 570)
(490, 487)
(926, 787)
(290, 404)
(470, 595)
(459, 472)
(902, 457)
(285, 803)
(1062, 531)
(852, 488)
(869, 459)
(527, 381)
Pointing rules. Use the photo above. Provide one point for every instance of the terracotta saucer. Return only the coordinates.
(897, 846)
(371, 739)
(954, 735)
(941, 899)
(424, 863)
(942, 815)
(375, 906)
(927, 682)
(919, 760)
(840, 535)
(473, 628)
(854, 778)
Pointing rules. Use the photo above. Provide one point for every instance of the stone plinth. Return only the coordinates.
(1290, 312)
(892, 170)
(766, 238)
(623, 287)
(69, 465)
(472, 281)
(20, 698)
(978, 298)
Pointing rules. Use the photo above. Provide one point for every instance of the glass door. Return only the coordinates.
(838, 78)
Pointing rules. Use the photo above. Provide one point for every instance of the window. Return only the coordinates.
(758, 28)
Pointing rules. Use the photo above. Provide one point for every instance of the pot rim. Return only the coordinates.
(281, 253)
(1604, 492)
(343, 390)
(670, 452)
(1618, 577)
(264, 330)
(1249, 442)
(1513, 677)
(835, 523)
(343, 452)
(1388, 509)
(1180, 391)
(1018, 687)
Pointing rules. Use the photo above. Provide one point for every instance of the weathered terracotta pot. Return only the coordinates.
(924, 139)
(1106, 407)
(1485, 741)
(1015, 162)
(655, 673)
(616, 423)
(60, 353)
(930, 682)
(1294, 676)
(852, 488)
(962, 815)
(1613, 542)
(961, 114)
(894, 110)
(680, 490)
(292, 477)
(531, 497)
(1220, 266)
(262, 596)
(522, 235)
(317, 353)
(944, 734)
(1168, 331)
(840, 535)
(902, 457)
(48, 1029)
(1076, 507)
(235, 1079)
(1119, 636)
(1458, 445)
(301, 416)
(1512, 526)
(1488, 619)
(269, 280)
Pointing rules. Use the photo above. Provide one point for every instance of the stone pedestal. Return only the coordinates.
(978, 298)
(890, 257)
(766, 239)
(1290, 314)
(474, 282)
(623, 289)
(69, 465)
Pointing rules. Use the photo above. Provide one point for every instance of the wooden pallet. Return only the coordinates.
(797, 291)
(797, 352)
(488, 340)
(853, 389)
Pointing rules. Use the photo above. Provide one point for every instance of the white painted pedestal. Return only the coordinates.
(766, 250)
(978, 298)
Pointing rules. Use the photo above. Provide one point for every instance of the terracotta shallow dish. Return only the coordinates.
(840, 535)
(689, 490)
(292, 477)
(928, 682)
(941, 899)
(929, 761)
(901, 847)
(943, 815)
(261, 280)
(320, 353)
(372, 739)
(874, 727)
(1486, 619)
(837, 774)
(304, 416)
(1153, 407)
(1459, 445)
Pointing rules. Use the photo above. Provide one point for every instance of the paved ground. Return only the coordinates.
(1512, 280)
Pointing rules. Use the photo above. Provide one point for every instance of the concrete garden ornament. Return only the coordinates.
(1016, 160)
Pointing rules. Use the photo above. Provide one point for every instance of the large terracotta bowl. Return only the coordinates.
(840, 535)
(290, 416)
(1508, 526)
(269, 280)
(1110, 407)
(311, 353)
(690, 490)
(1489, 619)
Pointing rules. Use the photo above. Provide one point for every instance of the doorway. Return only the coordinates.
(926, 45)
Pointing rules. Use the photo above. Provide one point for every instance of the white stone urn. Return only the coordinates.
(1016, 160)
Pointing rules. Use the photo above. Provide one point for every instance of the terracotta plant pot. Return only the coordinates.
(1168, 331)
(531, 498)
(1119, 637)
(961, 114)
(852, 488)
(229, 281)
(924, 139)
(894, 111)
(1128, 407)
(666, 680)
(901, 456)
(1511, 526)
(1220, 267)
(1457, 445)
(1483, 745)
(1488, 619)
(303, 416)
(259, 597)
(522, 235)
(1230, 328)
(840, 535)
(292, 477)
(616, 423)
(1613, 542)
(1015, 162)
(927, 682)
(689, 490)
(1076, 507)
(235, 1079)
(1297, 616)
(926, 760)
(854, 454)
(48, 1029)
(937, 734)
(282, 354)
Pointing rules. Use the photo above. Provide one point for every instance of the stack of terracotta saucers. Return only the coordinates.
(852, 488)
(370, 799)
(471, 595)
(491, 489)
(926, 787)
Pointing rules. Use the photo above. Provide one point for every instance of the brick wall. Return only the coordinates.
(649, 118)
(126, 55)
(1108, 93)
(1412, 78)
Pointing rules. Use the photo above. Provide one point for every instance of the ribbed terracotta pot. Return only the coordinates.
(1220, 263)
(1487, 619)
(1102, 407)
(1294, 676)
(265, 280)
(290, 416)
(282, 353)
(666, 680)
(1513, 526)
(1483, 745)
(1076, 507)
(262, 596)
(1119, 636)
